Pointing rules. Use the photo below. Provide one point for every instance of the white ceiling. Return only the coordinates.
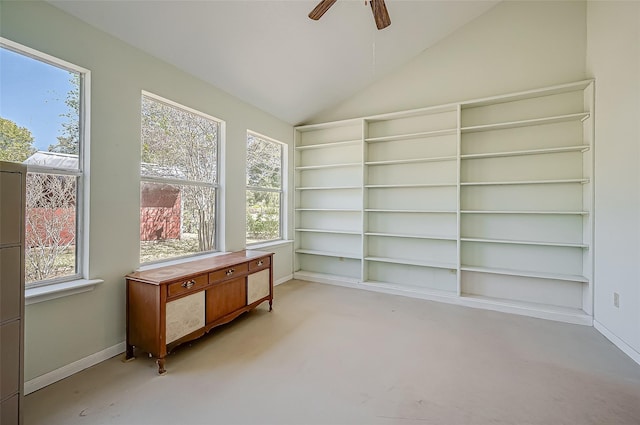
(269, 53)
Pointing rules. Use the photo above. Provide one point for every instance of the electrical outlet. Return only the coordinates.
(616, 299)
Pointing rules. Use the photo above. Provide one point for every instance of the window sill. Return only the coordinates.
(59, 290)
(270, 244)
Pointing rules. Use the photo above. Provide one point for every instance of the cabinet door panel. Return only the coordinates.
(184, 315)
(10, 358)
(9, 413)
(226, 298)
(257, 286)
(11, 219)
(10, 284)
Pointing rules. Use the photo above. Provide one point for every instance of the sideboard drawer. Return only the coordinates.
(187, 285)
(229, 273)
(260, 263)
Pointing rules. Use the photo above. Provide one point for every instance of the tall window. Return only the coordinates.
(42, 124)
(264, 189)
(179, 180)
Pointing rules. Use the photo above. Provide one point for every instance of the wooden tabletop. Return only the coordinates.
(166, 274)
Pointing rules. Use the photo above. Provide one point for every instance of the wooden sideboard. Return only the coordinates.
(170, 305)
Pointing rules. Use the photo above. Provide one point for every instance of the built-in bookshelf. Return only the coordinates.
(328, 206)
(410, 164)
(485, 202)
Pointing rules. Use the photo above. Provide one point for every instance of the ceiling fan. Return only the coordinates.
(380, 13)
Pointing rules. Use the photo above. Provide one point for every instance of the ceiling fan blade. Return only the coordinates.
(380, 14)
(320, 9)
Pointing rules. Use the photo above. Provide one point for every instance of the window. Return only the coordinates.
(264, 189)
(42, 124)
(179, 180)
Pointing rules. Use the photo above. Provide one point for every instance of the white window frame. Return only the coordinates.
(282, 190)
(79, 281)
(215, 186)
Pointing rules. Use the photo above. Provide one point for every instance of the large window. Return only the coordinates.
(179, 180)
(264, 189)
(42, 124)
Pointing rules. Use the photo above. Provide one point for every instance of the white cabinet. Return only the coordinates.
(12, 190)
(485, 202)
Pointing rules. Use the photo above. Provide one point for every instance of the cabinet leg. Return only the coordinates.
(270, 305)
(129, 353)
(161, 369)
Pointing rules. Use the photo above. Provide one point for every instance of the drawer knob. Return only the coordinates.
(188, 284)
(230, 272)
(260, 263)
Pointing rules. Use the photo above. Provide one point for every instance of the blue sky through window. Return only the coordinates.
(32, 94)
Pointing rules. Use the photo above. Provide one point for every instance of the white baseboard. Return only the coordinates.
(287, 278)
(65, 371)
(626, 348)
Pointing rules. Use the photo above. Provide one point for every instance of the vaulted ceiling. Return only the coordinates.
(269, 53)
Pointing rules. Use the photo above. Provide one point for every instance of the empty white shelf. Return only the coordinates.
(329, 145)
(433, 264)
(376, 210)
(525, 273)
(526, 123)
(577, 148)
(523, 182)
(524, 212)
(391, 186)
(328, 187)
(516, 242)
(408, 136)
(341, 232)
(329, 209)
(412, 161)
(404, 235)
(325, 166)
(328, 253)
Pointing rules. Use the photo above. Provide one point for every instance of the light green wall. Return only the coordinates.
(68, 329)
(514, 46)
(613, 59)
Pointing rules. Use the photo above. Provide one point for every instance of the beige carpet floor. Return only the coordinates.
(333, 355)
